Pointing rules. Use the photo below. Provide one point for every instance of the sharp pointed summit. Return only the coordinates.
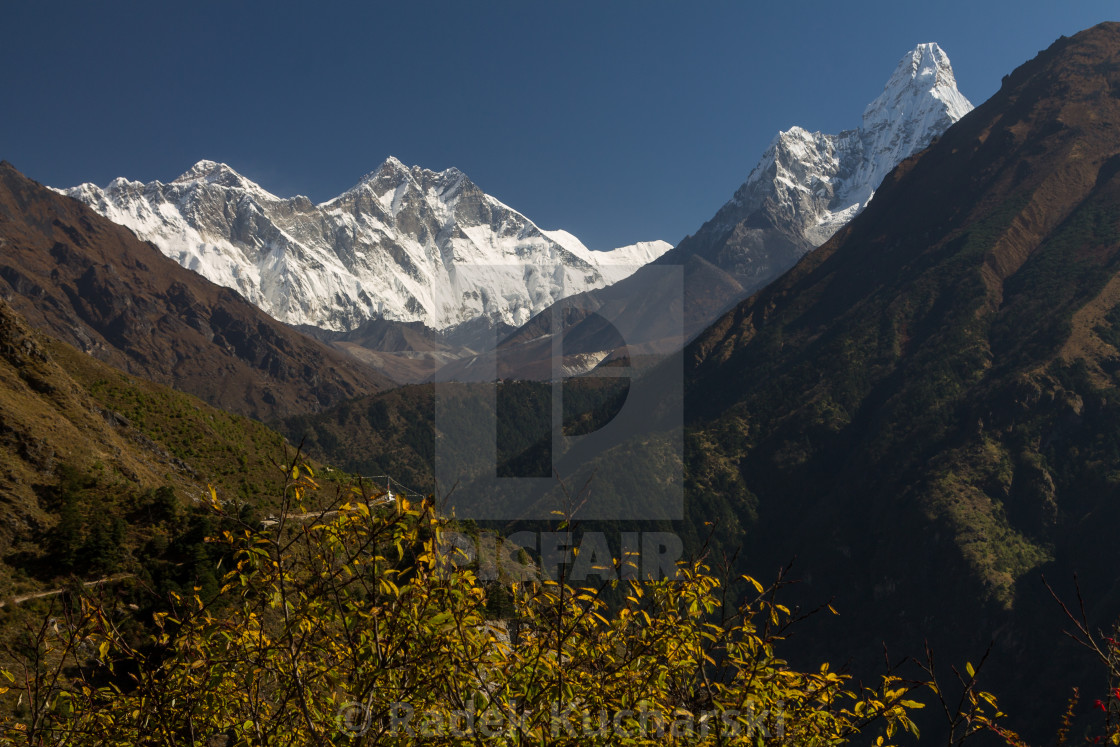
(919, 102)
(219, 174)
(925, 69)
(205, 169)
(392, 167)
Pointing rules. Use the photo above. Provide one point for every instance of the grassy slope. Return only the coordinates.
(102, 472)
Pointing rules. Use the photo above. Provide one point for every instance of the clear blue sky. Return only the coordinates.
(616, 120)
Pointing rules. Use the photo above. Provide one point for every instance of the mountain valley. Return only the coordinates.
(887, 370)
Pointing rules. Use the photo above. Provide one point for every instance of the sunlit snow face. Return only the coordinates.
(383, 249)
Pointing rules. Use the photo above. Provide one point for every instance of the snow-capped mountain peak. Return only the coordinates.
(919, 102)
(808, 185)
(205, 169)
(922, 84)
(821, 181)
(389, 169)
(216, 174)
(212, 172)
(924, 70)
(404, 243)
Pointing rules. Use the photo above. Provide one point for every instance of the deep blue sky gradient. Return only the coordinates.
(617, 120)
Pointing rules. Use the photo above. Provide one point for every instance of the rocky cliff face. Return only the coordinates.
(404, 244)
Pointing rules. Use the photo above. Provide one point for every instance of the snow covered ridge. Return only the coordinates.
(822, 181)
(405, 244)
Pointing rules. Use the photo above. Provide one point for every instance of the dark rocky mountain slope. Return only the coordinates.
(92, 283)
(926, 410)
